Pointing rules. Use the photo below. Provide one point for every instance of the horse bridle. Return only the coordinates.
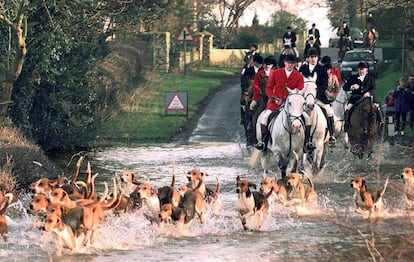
(291, 117)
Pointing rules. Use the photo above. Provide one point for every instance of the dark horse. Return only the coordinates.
(344, 44)
(363, 127)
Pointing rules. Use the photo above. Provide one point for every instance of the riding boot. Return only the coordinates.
(347, 118)
(332, 139)
(308, 148)
(242, 114)
(380, 118)
(262, 145)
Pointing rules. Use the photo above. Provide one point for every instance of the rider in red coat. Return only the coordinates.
(279, 80)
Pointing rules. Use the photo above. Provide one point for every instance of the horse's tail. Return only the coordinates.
(295, 165)
(309, 179)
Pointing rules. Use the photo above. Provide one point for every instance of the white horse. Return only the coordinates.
(319, 125)
(287, 133)
(338, 106)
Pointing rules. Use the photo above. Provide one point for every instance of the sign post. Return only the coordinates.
(185, 35)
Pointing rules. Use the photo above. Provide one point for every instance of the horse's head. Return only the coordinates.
(294, 106)
(310, 91)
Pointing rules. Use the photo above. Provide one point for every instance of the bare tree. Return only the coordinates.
(13, 15)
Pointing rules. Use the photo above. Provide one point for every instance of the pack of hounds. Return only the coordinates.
(72, 209)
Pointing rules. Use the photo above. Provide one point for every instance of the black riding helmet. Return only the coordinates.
(291, 58)
(258, 59)
(270, 60)
(363, 64)
(313, 52)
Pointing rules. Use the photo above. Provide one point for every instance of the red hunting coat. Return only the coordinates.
(276, 86)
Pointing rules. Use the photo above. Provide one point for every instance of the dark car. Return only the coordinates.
(349, 65)
(356, 35)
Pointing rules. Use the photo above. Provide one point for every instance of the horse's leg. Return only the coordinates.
(265, 161)
(283, 166)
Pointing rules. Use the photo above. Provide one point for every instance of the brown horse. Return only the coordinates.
(370, 39)
(363, 127)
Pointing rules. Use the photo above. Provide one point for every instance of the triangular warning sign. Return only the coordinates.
(175, 103)
(185, 34)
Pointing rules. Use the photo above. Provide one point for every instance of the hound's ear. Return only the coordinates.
(59, 223)
(252, 185)
(363, 182)
(64, 194)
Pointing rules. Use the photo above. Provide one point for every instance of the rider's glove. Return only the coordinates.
(253, 105)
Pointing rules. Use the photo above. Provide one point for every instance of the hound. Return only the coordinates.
(408, 176)
(365, 199)
(192, 203)
(196, 179)
(214, 199)
(65, 238)
(280, 188)
(251, 203)
(6, 200)
(301, 193)
(151, 202)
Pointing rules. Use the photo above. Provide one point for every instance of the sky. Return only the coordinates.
(307, 11)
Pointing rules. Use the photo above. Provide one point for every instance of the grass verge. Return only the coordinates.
(143, 119)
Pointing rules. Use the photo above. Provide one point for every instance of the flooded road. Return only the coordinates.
(329, 231)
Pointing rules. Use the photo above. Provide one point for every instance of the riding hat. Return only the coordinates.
(291, 58)
(269, 61)
(313, 52)
(326, 60)
(363, 64)
(258, 59)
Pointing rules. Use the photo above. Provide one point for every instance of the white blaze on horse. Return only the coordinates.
(319, 124)
(287, 133)
(338, 107)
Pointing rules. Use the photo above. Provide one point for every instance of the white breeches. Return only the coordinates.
(327, 107)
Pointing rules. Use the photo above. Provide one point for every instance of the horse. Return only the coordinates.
(338, 107)
(370, 39)
(363, 127)
(344, 44)
(287, 133)
(248, 124)
(319, 125)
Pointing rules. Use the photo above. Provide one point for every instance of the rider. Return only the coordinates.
(312, 43)
(247, 74)
(289, 38)
(344, 35)
(279, 80)
(259, 98)
(287, 50)
(360, 85)
(334, 69)
(308, 69)
(260, 81)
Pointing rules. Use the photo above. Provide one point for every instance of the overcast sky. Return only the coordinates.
(306, 10)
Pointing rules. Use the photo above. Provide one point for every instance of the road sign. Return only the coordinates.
(185, 34)
(176, 101)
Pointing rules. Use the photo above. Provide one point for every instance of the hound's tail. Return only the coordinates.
(218, 185)
(385, 187)
(295, 166)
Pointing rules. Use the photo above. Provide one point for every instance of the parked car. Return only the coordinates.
(356, 35)
(349, 65)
